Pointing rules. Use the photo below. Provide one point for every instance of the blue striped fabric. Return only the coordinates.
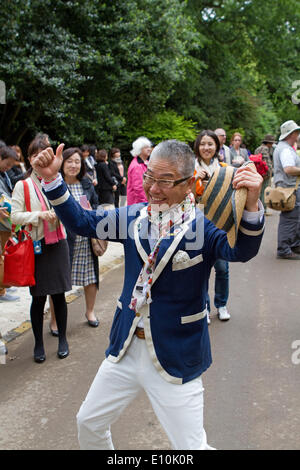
(230, 194)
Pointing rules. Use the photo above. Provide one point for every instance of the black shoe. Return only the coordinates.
(53, 332)
(289, 256)
(93, 323)
(296, 250)
(39, 358)
(63, 350)
(39, 355)
(63, 354)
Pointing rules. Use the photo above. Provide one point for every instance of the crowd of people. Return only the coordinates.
(64, 190)
(99, 177)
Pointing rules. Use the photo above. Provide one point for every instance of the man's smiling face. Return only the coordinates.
(161, 196)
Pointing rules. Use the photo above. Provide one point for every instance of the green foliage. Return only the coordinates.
(91, 67)
(251, 59)
(105, 72)
(164, 126)
(41, 66)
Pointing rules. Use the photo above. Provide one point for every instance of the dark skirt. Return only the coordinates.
(52, 270)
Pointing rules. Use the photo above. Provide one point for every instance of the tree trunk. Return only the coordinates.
(13, 117)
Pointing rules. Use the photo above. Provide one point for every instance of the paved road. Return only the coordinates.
(252, 398)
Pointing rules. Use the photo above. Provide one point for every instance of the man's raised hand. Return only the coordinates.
(46, 164)
(248, 177)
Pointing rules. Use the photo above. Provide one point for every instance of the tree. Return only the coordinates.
(251, 58)
(41, 71)
(91, 68)
(92, 71)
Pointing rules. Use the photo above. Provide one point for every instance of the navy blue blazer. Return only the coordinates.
(175, 322)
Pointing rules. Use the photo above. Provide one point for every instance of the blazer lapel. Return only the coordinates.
(140, 231)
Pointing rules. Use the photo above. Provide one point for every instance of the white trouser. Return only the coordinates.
(179, 408)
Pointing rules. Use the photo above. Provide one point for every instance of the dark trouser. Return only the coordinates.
(289, 229)
(37, 319)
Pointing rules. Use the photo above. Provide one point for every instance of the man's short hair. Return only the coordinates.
(101, 155)
(85, 148)
(178, 154)
(8, 152)
(219, 131)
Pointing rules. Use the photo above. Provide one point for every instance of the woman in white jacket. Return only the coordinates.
(52, 266)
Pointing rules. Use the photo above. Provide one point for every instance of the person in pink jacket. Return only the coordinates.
(141, 150)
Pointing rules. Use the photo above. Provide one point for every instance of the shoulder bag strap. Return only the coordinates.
(297, 182)
(26, 196)
(27, 199)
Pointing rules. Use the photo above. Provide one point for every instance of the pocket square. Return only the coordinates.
(180, 257)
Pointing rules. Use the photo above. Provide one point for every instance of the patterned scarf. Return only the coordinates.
(214, 164)
(53, 232)
(163, 223)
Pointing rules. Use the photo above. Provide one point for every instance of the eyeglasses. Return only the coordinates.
(166, 184)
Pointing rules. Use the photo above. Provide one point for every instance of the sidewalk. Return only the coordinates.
(15, 316)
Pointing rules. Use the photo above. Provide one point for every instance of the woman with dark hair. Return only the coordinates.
(85, 268)
(117, 170)
(52, 266)
(88, 153)
(106, 184)
(207, 148)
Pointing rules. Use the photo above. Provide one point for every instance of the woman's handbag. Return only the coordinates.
(19, 261)
(281, 199)
(99, 246)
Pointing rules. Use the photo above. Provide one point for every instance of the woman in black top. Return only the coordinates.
(117, 170)
(106, 184)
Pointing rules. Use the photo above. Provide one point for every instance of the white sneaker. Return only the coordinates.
(223, 314)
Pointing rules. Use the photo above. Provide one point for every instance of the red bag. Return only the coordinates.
(19, 261)
(261, 166)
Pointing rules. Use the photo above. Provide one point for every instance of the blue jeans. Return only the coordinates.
(221, 284)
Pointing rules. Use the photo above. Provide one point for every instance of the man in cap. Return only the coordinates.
(159, 339)
(286, 170)
(266, 149)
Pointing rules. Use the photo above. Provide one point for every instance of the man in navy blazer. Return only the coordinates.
(159, 338)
